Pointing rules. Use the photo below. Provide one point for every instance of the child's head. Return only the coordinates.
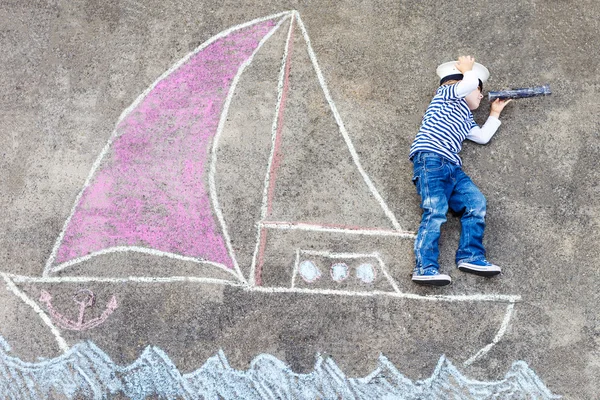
(473, 99)
(449, 75)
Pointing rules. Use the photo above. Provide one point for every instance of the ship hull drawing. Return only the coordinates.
(200, 188)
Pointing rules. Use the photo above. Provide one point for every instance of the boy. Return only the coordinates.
(439, 178)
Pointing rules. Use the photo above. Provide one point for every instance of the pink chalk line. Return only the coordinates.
(277, 156)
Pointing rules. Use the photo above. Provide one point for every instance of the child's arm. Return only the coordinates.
(484, 134)
(469, 81)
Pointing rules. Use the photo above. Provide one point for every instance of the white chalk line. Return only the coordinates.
(296, 267)
(342, 128)
(128, 110)
(129, 279)
(498, 298)
(507, 317)
(329, 254)
(137, 249)
(38, 310)
(267, 180)
(322, 228)
(213, 164)
(387, 274)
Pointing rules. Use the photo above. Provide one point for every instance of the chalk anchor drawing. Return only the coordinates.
(85, 299)
(143, 197)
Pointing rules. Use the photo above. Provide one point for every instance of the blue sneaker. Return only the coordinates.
(479, 267)
(430, 276)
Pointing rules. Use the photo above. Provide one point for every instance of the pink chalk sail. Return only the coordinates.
(151, 189)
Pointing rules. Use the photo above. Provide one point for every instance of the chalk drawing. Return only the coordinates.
(336, 229)
(339, 269)
(146, 194)
(153, 190)
(10, 285)
(366, 273)
(4, 345)
(509, 311)
(275, 156)
(282, 88)
(85, 299)
(121, 205)
(121, 193)
(339, 272)
(85, 371)
(309, 271)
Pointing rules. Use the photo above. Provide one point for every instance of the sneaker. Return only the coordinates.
(479, 267)
(431, 276)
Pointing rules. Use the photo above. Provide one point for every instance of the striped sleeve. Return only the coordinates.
(448, 92)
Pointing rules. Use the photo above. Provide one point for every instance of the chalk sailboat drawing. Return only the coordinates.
(154, 190)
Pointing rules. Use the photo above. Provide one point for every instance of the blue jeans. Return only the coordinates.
(442, 184)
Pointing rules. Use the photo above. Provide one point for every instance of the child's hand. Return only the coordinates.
(497, 107)
(465, 63)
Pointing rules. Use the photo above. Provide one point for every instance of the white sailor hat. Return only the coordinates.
(448, 71)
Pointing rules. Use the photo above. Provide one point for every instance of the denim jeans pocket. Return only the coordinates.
(432, 164)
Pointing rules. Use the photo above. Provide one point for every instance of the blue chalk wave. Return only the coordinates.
(87, 372)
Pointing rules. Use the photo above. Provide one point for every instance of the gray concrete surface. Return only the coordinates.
(68, 70)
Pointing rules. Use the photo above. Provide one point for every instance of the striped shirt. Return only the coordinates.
(448, 122)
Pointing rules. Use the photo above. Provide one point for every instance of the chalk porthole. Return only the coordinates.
(365, 273)
(339, 272)
(309, 271)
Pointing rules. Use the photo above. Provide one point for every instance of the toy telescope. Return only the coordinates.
(520, 93)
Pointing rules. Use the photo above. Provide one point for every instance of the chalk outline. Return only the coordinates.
(495, 298)
(137, 249)
(331, 255)
(10, 285)
(11, 279)
(324, 367)
(257, 258)
(264, 210)
(296, 266)
(342, 127)
(213, 165)
(511, 299)
(115, 135)
(303, 226)
(133, 279)
(503, 327)
(346, 272)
